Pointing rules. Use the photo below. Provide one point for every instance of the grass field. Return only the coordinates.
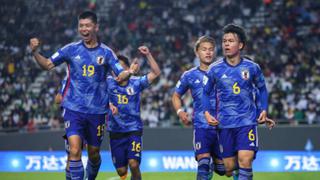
(163, 176)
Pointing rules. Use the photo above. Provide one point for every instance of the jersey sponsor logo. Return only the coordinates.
(205, 80)
(55, 55)
(245, 74)
(224, 76)
(130, 91)
(100, 60)
(198, 145)
(77, 57)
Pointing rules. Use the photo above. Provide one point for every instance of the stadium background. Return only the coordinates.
(283, 39)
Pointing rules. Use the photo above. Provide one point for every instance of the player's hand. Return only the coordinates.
(114, 109)
(58, 99)
(262, 117)
(134, 67)
(270, 123)
(34, 44)
(144, 50)
(184, 118)
(210, 119)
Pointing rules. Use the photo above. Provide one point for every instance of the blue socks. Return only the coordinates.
(76, 169)
(245, 174)
(235, 174)
(68, 175)
(203, 169)
(92, 170)
(219, 169)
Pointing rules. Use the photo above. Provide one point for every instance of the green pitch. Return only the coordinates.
(162, 176)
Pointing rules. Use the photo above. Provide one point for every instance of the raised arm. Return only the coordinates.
(155, 70)
(44, 63)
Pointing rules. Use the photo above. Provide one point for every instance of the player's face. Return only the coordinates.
(231, 45)
(205, 53)
(87, 29)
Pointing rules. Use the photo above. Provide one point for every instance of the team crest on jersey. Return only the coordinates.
(130, 91)
(100, 60)
(245, 74)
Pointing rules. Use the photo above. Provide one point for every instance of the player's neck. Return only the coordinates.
(123, 83)
(233, 61)
(204, 67)
(92, 43)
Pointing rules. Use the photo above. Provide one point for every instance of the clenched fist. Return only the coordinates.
(34, 44)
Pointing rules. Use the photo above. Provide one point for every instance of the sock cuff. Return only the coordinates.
(75, 163)
(205, 160)
(94, 164)
(245, 171)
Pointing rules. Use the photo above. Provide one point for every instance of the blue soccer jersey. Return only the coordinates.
(193, 80)
(86, 87)
(127, 100)
(235, 87)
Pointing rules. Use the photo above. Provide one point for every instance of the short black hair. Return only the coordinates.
(89, 15)
(124, 59)
(238, 30)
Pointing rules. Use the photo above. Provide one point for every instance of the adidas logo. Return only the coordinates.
(77, 57)
(252, 144)
(137, 155)
(115, 91)
(197, 81)
(224, 76)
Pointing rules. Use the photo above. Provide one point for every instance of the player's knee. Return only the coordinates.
(75, 153)
(94, 155)
(245, 162)
(134, 164)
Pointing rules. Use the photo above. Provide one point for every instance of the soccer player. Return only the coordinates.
(234, 78)
(126, 127)
(206, 145)
(85, 100)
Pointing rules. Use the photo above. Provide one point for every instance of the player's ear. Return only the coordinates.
(241, 46)
(97, 28)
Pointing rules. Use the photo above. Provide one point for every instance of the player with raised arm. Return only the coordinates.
(234, 78)
(126, 127)
(85, 100)
(206, 145)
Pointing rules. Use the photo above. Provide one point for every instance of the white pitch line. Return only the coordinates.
(113, 178)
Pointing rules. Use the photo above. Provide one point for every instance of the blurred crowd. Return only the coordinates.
(283, 37)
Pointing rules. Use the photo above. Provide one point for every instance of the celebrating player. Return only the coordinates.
(85, 100)
(234, 78)
(205, 143)
(126, 127)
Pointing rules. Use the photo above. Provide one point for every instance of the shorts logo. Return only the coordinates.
(137, 155)
(67, 124)
(100, 60)
(252, 144)
(221, 148)
(198, 146)
(245, 74)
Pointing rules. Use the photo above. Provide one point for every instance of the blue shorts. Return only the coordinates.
(125, 148)
(234, 139)
(90, 127)
(206, 141)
